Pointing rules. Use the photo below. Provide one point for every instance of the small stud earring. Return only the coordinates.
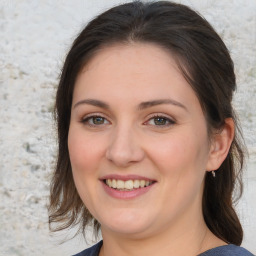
(213, 174)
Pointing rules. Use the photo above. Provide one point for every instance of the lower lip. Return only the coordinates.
(126, 194)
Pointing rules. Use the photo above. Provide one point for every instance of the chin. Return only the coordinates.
(132, 231)
(126, 223)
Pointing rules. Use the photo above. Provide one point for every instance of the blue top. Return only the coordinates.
(225, 250)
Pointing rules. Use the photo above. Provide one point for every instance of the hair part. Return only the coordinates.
(204, 62)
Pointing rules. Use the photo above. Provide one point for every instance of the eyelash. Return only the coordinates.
(86, 120)
(166, 119)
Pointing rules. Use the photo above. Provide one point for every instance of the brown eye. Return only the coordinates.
(160, 121)
(95, 121)
(98, 120)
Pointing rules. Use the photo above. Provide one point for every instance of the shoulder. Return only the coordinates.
(92, 251)
(227, 250)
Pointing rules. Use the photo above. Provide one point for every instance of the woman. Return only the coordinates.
(149, 148)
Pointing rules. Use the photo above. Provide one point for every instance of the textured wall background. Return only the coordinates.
(35, 36)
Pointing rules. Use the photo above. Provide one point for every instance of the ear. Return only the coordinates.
(220, 145)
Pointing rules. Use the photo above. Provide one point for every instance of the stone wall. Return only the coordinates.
(35, 36)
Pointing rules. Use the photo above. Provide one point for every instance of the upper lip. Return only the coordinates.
(125, 177)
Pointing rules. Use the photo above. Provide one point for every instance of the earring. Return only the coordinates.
(213, 174)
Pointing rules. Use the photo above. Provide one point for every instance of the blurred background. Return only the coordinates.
(35, 37)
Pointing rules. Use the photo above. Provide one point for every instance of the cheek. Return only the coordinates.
(181, 161)
(84, 151)
(179, 153)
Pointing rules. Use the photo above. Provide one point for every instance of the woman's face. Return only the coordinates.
(137, 125)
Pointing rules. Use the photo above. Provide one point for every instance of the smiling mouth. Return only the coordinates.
(127, 185)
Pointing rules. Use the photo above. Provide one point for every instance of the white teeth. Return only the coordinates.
(142, 183)
(128, 185)
(109, 182)
(136, 184)
(113, 184)
(119, 184)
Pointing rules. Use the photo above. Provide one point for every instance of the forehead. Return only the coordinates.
(145, 50)
(139, 70)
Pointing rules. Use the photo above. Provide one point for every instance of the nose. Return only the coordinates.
(124, 148)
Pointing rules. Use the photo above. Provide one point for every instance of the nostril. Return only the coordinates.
(125, 155)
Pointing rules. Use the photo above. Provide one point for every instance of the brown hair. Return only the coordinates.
(206, 64)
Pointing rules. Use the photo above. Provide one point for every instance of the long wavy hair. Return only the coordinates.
(205, 63)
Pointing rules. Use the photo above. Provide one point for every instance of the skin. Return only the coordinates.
(175, 153)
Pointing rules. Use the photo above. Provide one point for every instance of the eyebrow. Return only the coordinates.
(148, 104)
(93, 102)
(141, 106)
